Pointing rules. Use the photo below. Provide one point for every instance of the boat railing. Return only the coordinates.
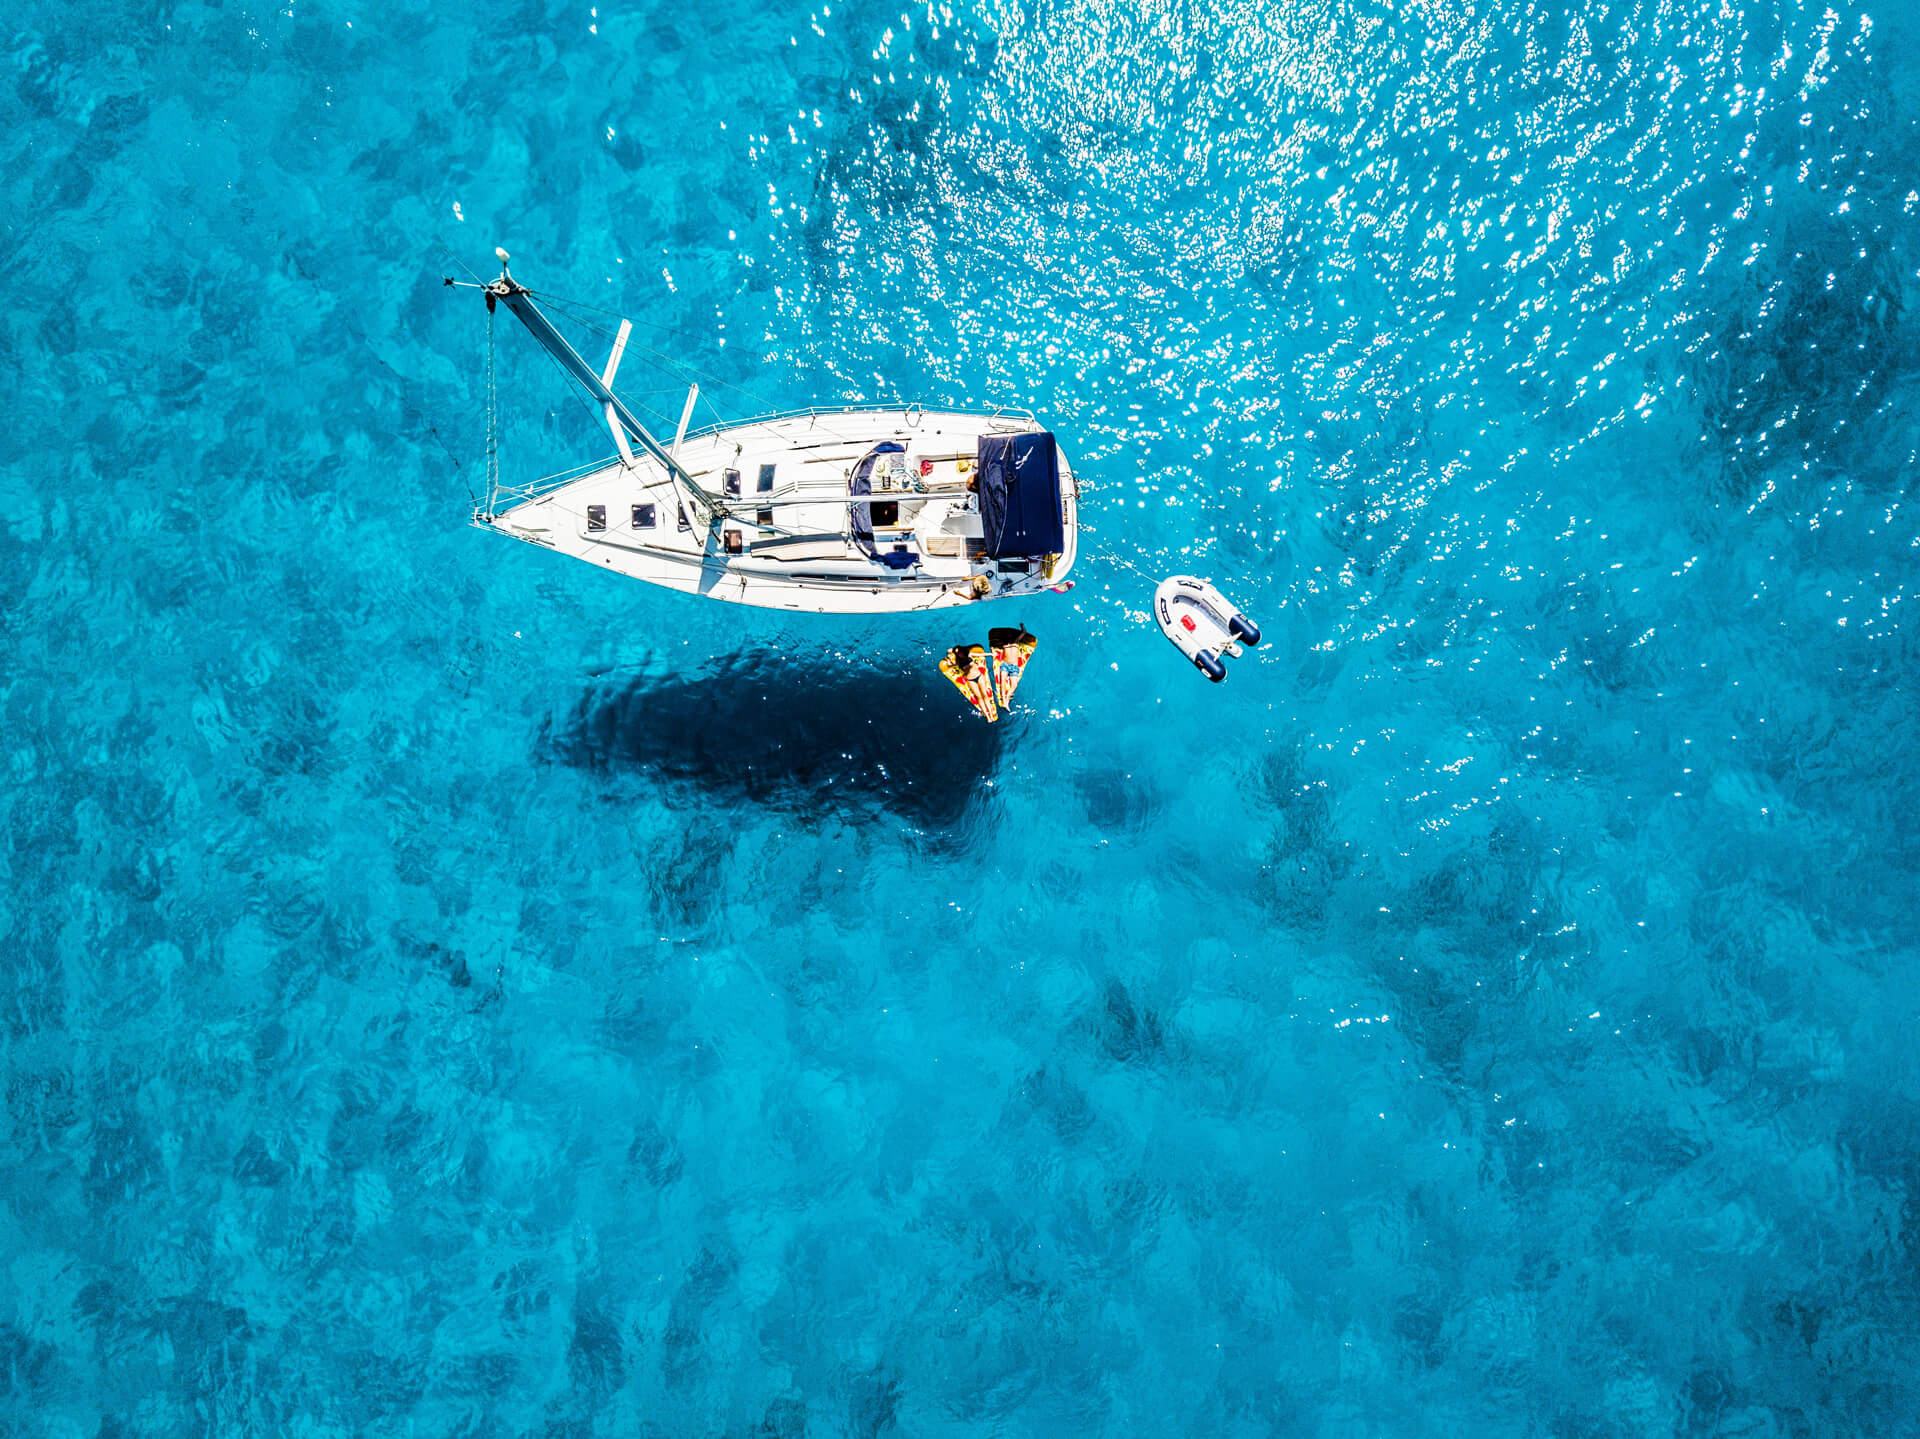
(819, 412)
(506, 496)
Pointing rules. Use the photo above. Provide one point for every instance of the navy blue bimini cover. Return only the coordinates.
(861, 516)
(1020, 495)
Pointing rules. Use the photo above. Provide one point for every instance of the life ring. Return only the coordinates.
(1203, 624)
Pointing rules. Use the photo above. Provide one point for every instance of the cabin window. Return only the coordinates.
(643, 517)
(766, 479)
(596, 517)
(733, 482)
(886, 512)
(732, 539)
(764, 519)
(684, 523)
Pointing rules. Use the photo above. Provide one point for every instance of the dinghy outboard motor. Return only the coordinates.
(1203, 625)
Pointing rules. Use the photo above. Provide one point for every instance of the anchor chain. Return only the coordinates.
(493, 432)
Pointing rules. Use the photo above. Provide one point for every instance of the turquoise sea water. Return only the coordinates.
(444, 990)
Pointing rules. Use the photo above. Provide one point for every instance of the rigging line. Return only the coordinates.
(493, 431)
(1115, 558)
(572, 388)
(675, 364)
(683, 370)
(563, 308)
(721, 510)
(672, 361)
(656, 390)
(766, 405)
(554, 299)
(599, 420)
(441, 245)
(716, 381)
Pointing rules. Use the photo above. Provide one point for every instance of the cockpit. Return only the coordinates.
(878, 526)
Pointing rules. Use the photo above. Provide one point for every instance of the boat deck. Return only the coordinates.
(788, 540)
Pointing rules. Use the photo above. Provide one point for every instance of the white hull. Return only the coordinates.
(790, 520)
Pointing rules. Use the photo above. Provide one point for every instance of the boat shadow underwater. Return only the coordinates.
(812, 737)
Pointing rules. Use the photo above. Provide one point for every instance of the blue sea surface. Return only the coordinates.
(445, 990)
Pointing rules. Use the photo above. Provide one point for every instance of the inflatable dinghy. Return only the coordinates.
(1203, 625)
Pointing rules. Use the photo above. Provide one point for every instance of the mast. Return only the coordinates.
(625, 425)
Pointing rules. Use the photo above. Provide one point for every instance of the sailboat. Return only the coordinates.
(839, 511)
